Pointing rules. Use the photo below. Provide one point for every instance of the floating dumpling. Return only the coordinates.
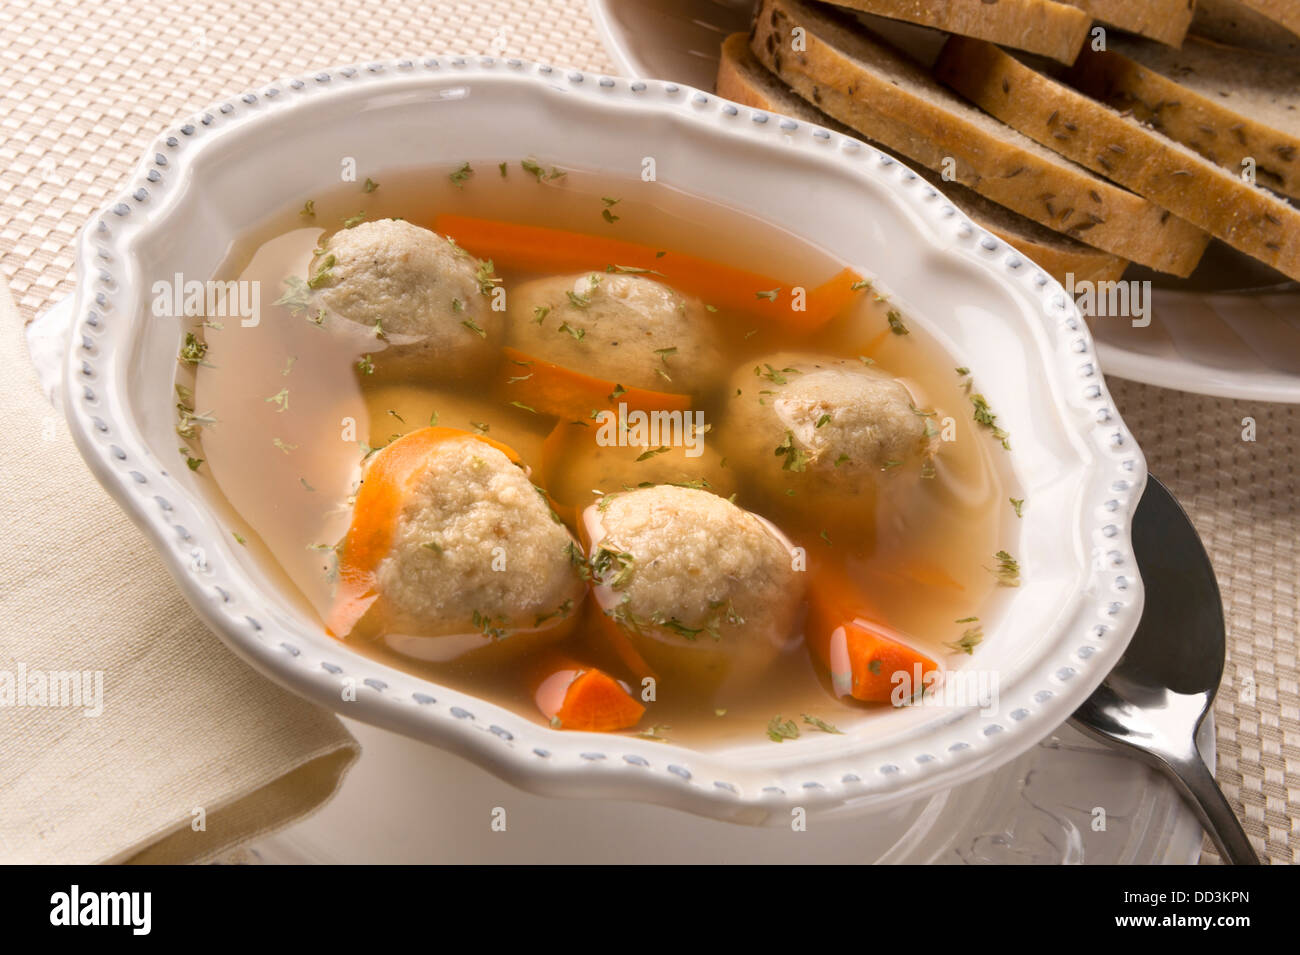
(707, 591)
(427, 300)
(625, 328)
(821, 432)
(455, 551)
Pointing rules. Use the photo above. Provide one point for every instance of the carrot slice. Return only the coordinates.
(374, 518)
(553, 389)
(597, 702)
(540, 249)
(863, 656)
(574, 696)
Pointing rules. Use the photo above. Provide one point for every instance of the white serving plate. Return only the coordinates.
(218, 173)
(1230, 343)
(404, 803)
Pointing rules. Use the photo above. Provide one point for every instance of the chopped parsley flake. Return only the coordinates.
(971, 638)
(461, 173)
(324, 273)
(779, 730)
(487, 281)
(984, 416)
(774, 376)
(493, 627)
(1008, 570)
(796, 459)
(612, 568)
(821, 724)
(533, 167)
(193, 350)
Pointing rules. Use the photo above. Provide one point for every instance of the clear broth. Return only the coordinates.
(287, 468)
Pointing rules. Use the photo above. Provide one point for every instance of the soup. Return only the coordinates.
(612, 456)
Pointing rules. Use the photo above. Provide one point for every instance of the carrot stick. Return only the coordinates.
(555, 390)
(540, 249)
(374, 518)
(862, 655)
(574, 696)
(830, 298)
(604, 630)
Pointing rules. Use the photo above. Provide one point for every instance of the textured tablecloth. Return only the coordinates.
(85, 86)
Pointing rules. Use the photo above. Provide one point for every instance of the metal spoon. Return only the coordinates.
(1162, 688)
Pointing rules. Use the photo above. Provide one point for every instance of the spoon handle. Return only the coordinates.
(1197, 783)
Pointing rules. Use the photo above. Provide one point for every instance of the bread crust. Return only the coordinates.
(1247, 217)
(1046, 27)
(1165, 21)
(847, 73)
(1175, 92)
(746, 81)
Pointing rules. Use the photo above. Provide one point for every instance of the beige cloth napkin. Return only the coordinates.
(194, 752)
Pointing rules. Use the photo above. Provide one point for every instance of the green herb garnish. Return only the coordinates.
(1008, 570)
(821, 724)
(796, 459)
(779, 730)
(193, 350)
(462, 172)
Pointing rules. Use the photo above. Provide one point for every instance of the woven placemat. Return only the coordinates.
(84, 87)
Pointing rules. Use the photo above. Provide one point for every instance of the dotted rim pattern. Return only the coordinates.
(528, 754)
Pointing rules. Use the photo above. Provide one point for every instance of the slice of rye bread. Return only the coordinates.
(1163, 20)
(1244, 215)
(743, 79)
(1237, 24)
(1227, 104)
(1051, 29)
(864, 82)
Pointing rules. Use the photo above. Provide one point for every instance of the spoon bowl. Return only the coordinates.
(1164, 685)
